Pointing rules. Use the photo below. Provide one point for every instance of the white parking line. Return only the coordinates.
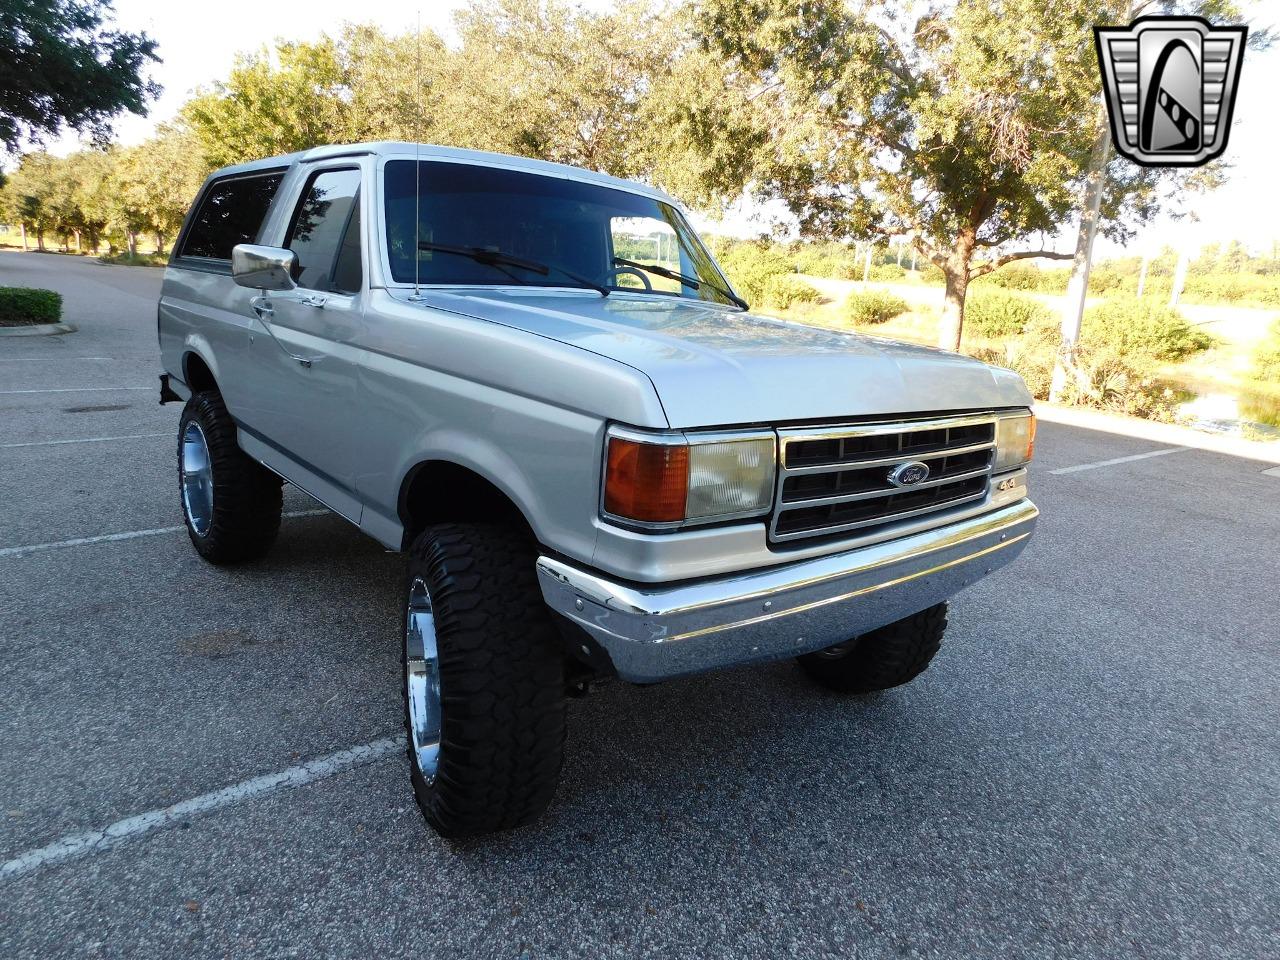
(1109, 463)
(24, 359)
(77, 390)
(96, 841)
(54, 443)
(8, 552)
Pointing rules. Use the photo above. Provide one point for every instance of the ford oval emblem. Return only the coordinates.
(909, 474)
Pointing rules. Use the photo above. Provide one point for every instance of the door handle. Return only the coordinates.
(314, 300)
(265, 311)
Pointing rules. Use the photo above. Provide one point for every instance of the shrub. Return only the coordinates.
(927, 272)
(22, 306)
(1266, 361)
(1236, 288)
(1015, 276)
(1106, 376)
(822, 259)
(751, 265)
(1142, 328)
(997, 314)
(126, 259)
(786, 290)
(886, 271)
(871, 307)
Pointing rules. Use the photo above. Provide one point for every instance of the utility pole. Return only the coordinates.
(1180, 271)
(1078, 286)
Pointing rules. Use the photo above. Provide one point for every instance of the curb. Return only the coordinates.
(38, 330)
(1168, 433)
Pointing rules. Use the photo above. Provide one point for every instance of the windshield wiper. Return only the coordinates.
(681, 278)
(493, 257)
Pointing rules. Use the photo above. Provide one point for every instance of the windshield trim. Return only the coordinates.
(378, 223)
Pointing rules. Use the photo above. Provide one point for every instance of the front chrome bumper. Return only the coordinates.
(653, 632)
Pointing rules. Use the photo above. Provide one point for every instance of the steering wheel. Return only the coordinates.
(616, 272)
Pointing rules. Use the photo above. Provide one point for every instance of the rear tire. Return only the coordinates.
(884, 658)
(230, 502)
(484, 681)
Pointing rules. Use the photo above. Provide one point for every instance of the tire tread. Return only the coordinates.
(501, 677)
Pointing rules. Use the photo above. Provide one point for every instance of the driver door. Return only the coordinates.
(302, 353)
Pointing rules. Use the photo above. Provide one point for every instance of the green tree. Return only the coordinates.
(554, 81)
(538, 79)
(62, 211)
(63, 64)
(92, 173)
(960, 130)
(27, 195)
(262, 109)
(157, 182)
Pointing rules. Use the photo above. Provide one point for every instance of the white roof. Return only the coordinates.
(432, 152)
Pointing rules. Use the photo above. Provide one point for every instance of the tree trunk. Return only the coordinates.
(159, 242)
(1180, 274)
(23, 227)
(866, 264)
(1142, 274)
(40, 238)
(1078, 285)
(133, 244)
(78, 250)
(957, 277)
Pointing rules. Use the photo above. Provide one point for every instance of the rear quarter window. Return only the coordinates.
(230, 212)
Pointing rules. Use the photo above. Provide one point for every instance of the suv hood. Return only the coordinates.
(715, 366)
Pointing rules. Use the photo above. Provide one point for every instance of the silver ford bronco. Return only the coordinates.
(536, 381)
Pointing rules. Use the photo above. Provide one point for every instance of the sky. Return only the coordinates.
(198, 48)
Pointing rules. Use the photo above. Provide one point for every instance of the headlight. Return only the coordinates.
(1015, 441)
(670, 480)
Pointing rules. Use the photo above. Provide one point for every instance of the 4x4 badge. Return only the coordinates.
(1170, 85)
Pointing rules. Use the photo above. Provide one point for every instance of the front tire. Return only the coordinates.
(884, 658)
(230, 502)
(483, 681)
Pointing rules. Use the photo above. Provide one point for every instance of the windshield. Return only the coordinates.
(575, 229)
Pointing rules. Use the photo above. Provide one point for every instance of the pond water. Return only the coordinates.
(1239, 413)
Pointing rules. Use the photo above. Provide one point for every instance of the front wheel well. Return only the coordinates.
(438, 491)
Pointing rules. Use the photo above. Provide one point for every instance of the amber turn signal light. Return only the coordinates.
(648, 482)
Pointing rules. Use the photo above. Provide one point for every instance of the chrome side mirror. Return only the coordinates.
(263, 268)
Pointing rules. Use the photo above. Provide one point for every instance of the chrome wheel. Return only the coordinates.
(422, 678)
(197, 478)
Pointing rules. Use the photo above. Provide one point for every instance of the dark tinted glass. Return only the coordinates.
(319, 225)
(231, 212)
(348, 271)
(575, 226)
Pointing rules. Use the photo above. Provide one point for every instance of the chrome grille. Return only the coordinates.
(836, 479)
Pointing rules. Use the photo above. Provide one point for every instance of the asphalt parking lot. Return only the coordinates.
(1090, 768)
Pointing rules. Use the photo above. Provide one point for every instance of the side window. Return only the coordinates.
(325, 233)
(231, 212)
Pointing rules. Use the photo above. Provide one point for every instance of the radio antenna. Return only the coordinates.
(417, 163)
